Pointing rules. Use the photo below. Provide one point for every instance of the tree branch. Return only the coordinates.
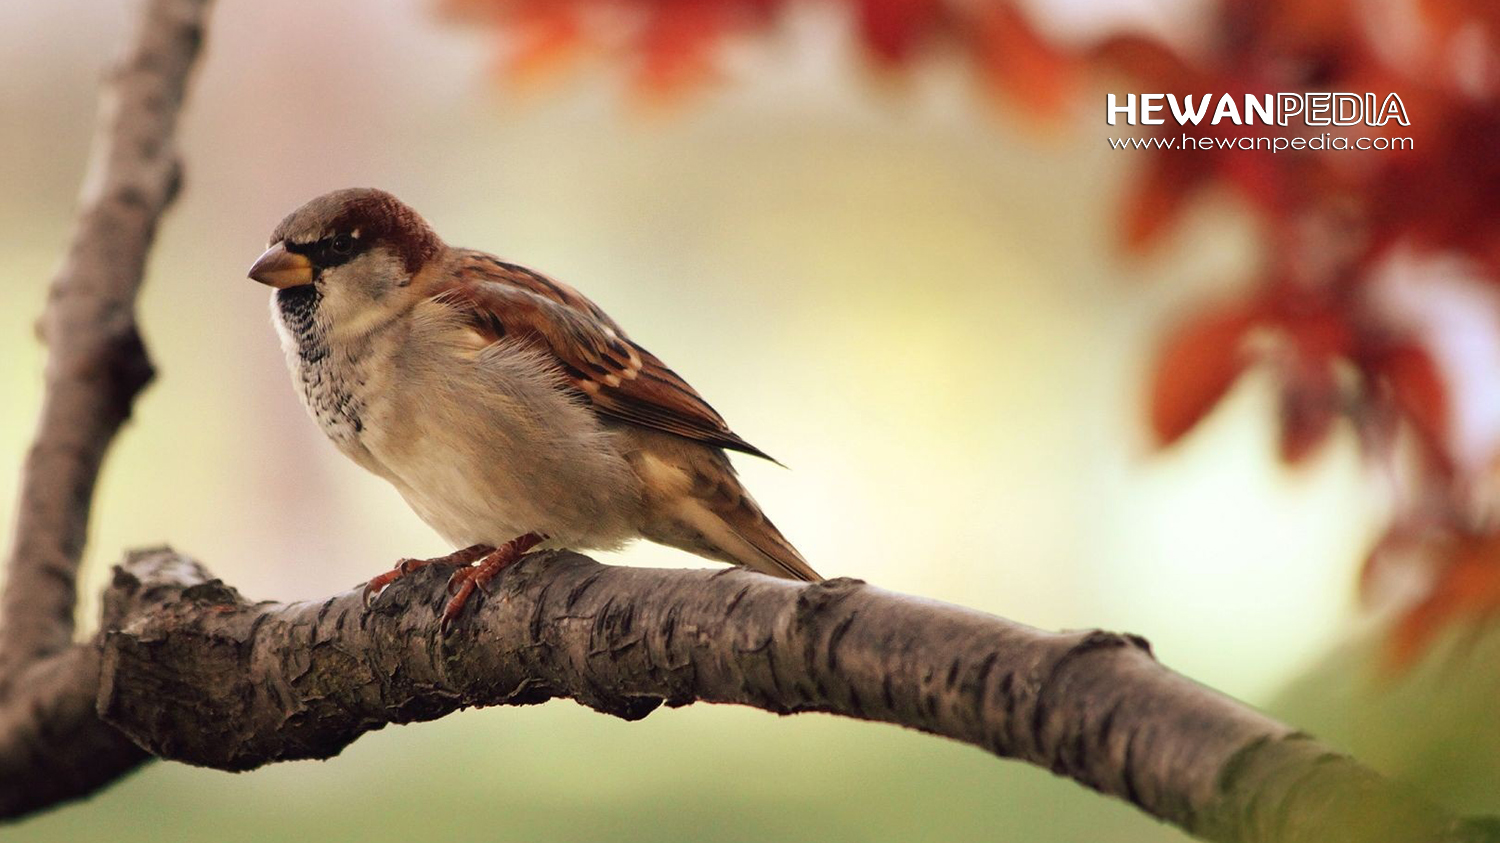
(194, 672)
(96, 366)
(96, 363)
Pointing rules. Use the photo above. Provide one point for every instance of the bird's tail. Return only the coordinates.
(766, 549)
(700, 506)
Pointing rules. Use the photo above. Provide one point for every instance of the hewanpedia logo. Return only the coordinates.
(1314, 109)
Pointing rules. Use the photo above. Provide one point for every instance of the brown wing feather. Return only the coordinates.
(620, 379)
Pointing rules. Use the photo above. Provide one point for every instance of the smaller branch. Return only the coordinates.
(96, 363)
(52, 744)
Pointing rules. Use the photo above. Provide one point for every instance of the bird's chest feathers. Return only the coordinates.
(329, 377)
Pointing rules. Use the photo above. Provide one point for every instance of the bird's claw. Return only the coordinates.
(480, 565)
(456, 601)
(474, 576)
(377, 584)
(455, 582)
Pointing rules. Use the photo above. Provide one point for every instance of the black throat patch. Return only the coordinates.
(299, 311)
(324, 386)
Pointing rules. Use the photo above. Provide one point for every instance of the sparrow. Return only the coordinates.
(509, 411)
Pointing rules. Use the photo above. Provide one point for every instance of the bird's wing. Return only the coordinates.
(619, 379)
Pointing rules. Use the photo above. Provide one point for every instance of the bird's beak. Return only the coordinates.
(281, 269)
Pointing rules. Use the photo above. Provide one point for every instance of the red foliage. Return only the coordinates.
(1466, 585)
(1331, 220)
(1442, 196)
(545, 36)
(672, 43)
(1199, 362)
(1019, 64)
(892, 29)
(1417, 392)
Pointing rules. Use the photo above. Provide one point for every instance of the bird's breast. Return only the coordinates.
(328, 380)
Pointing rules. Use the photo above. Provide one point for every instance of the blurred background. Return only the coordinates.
(1240, 406)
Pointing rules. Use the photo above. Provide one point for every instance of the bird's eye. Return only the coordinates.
(342, 244)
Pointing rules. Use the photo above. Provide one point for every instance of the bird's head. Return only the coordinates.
(356, 249)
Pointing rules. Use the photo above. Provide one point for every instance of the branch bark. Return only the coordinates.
(192, 671)
(185, 668)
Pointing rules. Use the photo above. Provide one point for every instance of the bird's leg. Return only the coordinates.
(464, 557)
(465, 580)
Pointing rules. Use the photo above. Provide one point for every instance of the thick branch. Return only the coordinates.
(194, 672)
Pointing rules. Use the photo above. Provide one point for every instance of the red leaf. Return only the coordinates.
(1413, 632)
(1159, 197)
(893, 28)
(1198, 363)
(1021, 64)
(1309, 407)
(546, 40)
(1401, 538)
(677, 46)
(1418, 390)
(1468, 585)
(1151, 63)
(1450, 16)
(1318, 328)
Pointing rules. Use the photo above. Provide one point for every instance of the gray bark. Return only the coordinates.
(199, 674)
(186, 669)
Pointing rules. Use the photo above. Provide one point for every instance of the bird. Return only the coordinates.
(509, 411)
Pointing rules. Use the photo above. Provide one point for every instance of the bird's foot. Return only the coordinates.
(464, 558)
(465, 580)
